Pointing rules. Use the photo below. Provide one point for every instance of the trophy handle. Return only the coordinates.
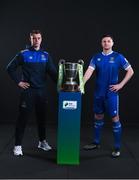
(80, 61)
(80, 75)
(60, 74)
(61, 61)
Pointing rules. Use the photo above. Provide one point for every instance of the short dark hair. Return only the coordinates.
(107, 35)
(35, 31)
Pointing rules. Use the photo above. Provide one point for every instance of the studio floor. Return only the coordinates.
(94, 164)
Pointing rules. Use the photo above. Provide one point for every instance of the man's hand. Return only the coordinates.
(24, 85)
(116, 87)
(119, 86)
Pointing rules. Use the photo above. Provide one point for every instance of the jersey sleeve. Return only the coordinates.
(51, 69)
(92, 63)
(124, 62)
(12, 67)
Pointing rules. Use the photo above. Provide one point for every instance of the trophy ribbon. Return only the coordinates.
(60, 77)
(81, 81)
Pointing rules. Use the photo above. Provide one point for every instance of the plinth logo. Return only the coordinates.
(70, 105)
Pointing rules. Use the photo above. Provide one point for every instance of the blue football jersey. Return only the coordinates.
(107, 69)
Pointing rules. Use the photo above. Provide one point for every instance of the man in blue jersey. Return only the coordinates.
(35, 64)
(107, 65)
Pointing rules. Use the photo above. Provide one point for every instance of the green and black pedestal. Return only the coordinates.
(68, 148)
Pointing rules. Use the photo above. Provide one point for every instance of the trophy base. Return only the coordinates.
(70, 88)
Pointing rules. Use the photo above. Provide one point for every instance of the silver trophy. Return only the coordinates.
(68, 75)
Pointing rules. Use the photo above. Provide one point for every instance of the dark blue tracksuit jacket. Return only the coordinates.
(35, 65)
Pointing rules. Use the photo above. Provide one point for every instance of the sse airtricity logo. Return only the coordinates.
(71, 105)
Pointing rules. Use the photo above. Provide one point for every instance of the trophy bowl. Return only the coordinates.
(70, 72)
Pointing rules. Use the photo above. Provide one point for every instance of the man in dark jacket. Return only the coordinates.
(35, 64)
